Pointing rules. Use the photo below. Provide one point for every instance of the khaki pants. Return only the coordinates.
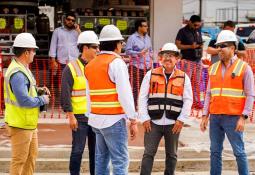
(24, 144)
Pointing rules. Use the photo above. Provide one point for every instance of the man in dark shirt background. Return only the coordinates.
(189, 40)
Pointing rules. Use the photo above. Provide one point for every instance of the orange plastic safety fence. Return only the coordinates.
(44, 77)
(199, 77)
(51, 78)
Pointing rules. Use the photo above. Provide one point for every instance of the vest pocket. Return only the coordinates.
(177, 87)
(30, 119)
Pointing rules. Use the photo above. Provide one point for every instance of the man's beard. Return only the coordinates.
(69, 27)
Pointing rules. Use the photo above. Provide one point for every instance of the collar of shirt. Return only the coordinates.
(171, 73)
(110, 52)
(137, 35)
(231, 61)
(64, 28)
(84, 62)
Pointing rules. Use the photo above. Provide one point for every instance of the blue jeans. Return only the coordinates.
(219, 126)
(112, 144)
(78, 145)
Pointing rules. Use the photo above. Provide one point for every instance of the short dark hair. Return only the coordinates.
(108, 45)
(138, 23)
(232, 44)
(229, 24)
(195, 18)
(18, 51)
(72, 14)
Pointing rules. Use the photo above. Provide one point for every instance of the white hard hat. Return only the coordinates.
(110, 33)
(226, 36)
(169, 47)
(25, 40)
(88, 37)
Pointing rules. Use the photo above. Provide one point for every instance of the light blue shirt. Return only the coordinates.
(19, 85)
(63, 45)
(135, 44)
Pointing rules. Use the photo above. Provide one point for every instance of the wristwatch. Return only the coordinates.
(245, 116)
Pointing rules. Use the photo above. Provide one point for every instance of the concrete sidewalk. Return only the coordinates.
(193, 155)
(154, 173)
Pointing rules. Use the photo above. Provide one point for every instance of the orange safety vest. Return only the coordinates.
(227, 94)
(165, 96)
(103, 93)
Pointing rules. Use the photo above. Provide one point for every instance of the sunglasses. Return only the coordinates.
(94, 47)
(222, 46)
(68, 19)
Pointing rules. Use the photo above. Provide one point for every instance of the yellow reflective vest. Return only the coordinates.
(78, 94)
(15, 115)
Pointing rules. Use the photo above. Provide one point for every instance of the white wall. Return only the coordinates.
(210, 6)
(166, 20)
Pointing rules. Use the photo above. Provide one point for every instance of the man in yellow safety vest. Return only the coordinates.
(74, 102)
(22, 106)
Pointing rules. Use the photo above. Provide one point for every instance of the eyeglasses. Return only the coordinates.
(144, 25)
(69, 19)
(168, 55)
(31, 50)
(222, 46)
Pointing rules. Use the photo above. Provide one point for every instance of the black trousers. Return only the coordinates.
(84, 132)
(151, 143)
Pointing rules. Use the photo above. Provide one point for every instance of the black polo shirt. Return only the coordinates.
(188, 36)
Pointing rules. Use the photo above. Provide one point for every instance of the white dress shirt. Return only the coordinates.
(118, 74)
(144, 96)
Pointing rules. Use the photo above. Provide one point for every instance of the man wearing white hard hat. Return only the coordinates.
(165, 102)
(229, 102)
(22, 106)
(112, 104)
(74, 102)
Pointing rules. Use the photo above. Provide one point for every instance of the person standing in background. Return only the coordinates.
(139, 47)
(63, 47)
(189, 40)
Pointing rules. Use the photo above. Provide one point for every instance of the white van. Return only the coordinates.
(244, 30)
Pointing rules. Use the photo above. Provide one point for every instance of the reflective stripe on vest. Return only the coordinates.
(105, 104)
(162, 95)
(162, 107)
(236, 72)
(78, 94)
(103, 93)
(15, 115)
(238, 68)
(227, 92)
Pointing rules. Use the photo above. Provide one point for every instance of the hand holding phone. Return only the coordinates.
(77, 28)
